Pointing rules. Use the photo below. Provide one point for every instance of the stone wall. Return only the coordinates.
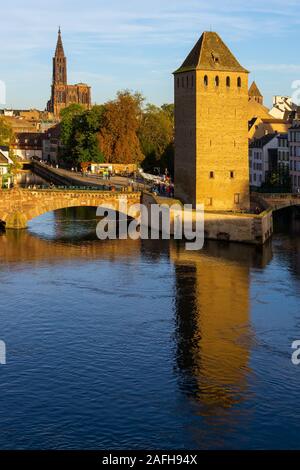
(236, 227)
(18, 206)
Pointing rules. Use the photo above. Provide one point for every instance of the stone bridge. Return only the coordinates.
(276, 201)
(19, 206)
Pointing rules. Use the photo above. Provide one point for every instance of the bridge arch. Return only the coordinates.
(19, 206)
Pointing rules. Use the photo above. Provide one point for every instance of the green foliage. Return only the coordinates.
(278, 181)
(67, 116)
(156, 135)
(121, 131)
(80, 134)
(6, 133)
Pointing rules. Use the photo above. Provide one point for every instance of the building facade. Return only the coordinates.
(294, 146)
(211, 128)
(27, 146)
(260, 154)
(62, 94)
(269, 155)
(5, 162)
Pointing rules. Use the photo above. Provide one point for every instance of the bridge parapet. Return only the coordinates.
(18, 206)
(277, 201)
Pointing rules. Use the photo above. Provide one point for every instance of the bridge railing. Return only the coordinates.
(278, 195)
(102, 188)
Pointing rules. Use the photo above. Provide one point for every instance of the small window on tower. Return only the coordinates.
(182, 82)
(239, 82)
(232, 174)
(187, 81)
(178, 82)
(217, 81)
(237, 198)
(192, 81)
(228, 81)
(205, 80)
(211, 174)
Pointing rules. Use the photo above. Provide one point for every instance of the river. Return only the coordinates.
(142, 345)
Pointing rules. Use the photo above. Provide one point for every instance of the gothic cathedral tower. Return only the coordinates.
(211, 128)
(62, 94)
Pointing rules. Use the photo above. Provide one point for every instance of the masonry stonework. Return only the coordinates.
(211, 128)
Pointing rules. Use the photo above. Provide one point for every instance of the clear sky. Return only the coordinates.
(137, 44)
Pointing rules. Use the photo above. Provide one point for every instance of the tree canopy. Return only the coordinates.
(6, 132)
(122, 130)
(118, 135)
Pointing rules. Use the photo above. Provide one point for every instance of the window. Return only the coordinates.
(192, 81)
(187, 81)
(239, 82)
(211, 174)
(217, 81)
(182, 82)
(178, 82)
(237, 198)
(209, 201)
(228, 81)
(232, 174)
(205, 80)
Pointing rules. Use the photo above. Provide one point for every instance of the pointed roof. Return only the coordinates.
(254, 91)
(59, 51)
(211, 53)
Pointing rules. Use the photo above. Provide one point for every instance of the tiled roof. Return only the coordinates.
(3, 158)
(262, 141)
(254, 91)
(210, 53)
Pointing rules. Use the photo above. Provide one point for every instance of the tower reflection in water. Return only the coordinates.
(213, 328)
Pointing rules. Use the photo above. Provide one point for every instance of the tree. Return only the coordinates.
(118, 137)
(79, 135)
(156, 135)
(84, 136)
(67, 116)
(6, 132)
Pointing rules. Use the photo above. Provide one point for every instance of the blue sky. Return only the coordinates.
(133, 44)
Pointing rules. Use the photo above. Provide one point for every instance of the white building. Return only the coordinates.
(5, 162)
(283, 107)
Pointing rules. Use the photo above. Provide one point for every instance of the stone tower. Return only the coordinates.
(255, 94)
(211, 128)
(62, 94)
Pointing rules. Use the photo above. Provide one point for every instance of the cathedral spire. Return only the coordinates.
(59, 46)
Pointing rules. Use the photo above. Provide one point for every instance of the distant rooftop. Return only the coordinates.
(254, 91)
(262, 141)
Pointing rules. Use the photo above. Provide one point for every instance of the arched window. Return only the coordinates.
(217, 80)
(187, 81)
(205, 80)
(239, 82)
(228, 81)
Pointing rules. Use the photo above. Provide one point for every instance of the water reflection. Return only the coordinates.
(167, 333)
(213, 328)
